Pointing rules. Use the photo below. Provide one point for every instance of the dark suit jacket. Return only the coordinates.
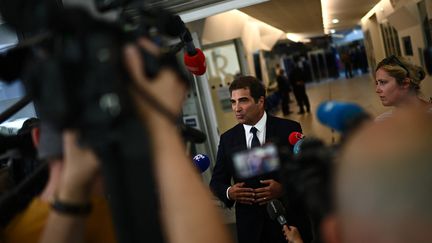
(253, 223)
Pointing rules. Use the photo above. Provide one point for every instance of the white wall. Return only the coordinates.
(404, 16)
(372, 26)
(417, 42)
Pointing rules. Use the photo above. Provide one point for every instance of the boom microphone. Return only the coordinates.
(194, 58)
(341, 116)
(276, 211)
(192, 135)
(196, 64)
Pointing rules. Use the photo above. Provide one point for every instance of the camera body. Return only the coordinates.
(72, 67)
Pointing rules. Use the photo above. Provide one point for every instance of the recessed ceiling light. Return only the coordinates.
(332, 31)
(335, 21)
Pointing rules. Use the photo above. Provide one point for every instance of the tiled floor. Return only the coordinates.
(360, 89)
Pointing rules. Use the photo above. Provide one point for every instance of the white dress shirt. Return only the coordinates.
(260, 126)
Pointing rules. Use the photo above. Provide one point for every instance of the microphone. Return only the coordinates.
(276, 211)
(202, 162)
(196, 64)
(194, 58)
(192, 135)
(341, 116)
(296, 139)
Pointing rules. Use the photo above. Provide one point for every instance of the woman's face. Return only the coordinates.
(388, 90)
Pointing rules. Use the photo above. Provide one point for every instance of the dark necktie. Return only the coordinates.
(255, 140)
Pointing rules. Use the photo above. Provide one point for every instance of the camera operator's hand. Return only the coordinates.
(292, 234)
(80, 170)
(272, 190)
(241, 194)
(76, 185)
(166, 87)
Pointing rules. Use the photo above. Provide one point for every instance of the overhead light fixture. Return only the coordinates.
(335, 21)
(325, 15)
(293, 37)
(332, 31)
(204, 12)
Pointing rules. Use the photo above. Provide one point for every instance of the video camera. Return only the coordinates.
(72, 68)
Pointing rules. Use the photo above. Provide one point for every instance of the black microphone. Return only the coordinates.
(276, 211)
(192, 135)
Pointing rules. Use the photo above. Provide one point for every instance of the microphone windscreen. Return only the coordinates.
(339, 115)
(275, 209)
(202, 162)
(294, 137)
(298, 146)
(193, 135)
(196, 64)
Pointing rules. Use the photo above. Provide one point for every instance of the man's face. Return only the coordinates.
(245, 109)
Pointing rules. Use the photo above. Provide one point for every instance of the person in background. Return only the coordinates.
(398, 85)
(28, 225)
(297, 78)
(18, 153)
(346, 60)
(284, 89)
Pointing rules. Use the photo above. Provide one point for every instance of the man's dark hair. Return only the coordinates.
(255, 87)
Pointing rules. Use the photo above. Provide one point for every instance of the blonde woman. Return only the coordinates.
(398, 85)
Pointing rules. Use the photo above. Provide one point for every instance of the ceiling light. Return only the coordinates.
(335, 21)
(293, 37)
(332, 31)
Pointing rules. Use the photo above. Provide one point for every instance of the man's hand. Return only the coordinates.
(272, 190)
(241, 194)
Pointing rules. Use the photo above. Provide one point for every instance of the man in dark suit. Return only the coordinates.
(250, 196)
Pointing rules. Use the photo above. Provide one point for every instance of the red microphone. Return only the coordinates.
(294, 137)
(195, 63)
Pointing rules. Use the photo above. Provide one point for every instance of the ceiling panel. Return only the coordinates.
(349, 12)
(298, 16)
(305, 16)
